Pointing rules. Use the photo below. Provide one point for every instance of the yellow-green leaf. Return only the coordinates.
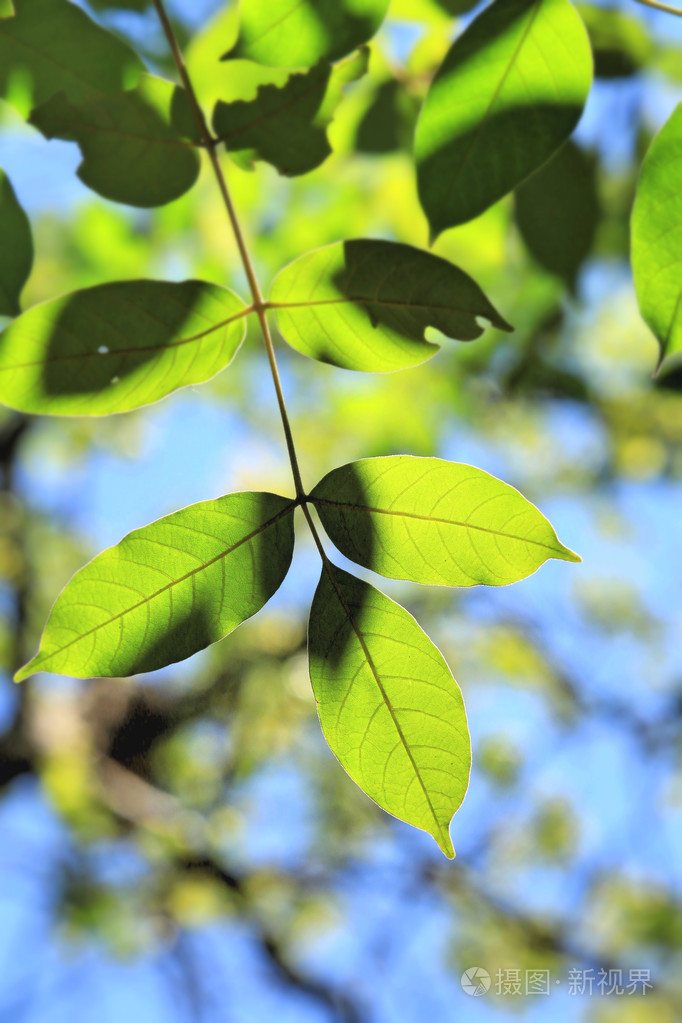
(389, 707)
(298, 33)
(434, 521)
(16, 249)
(117, 346)
(169, 589)
(365, 304)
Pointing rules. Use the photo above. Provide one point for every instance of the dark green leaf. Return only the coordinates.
(16, 248)
(169, 589)
(138, 146)
(557, 210)
(389, 707)
(287, 126)
(52, 46)
(657, 236)
(388, 122)
(117, 346)
(433, 521)
(365, 305)
(298, 33)
(508, 94)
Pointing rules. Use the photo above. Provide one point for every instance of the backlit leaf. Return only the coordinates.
(434, 521)
(52, 46)
(298, 33)
(287, 126)
(557, 211)
(657, 236)
(138, 146)
(117, 346)
(509, 92)
(169, 589)
(365, 305)
(389, 707)
(16, 248)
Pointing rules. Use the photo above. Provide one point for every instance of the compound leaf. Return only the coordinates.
(508, 94)
(298, 33)
(169, 589)
(434, 521)
(16, 251)
(365, 305)
(287, 126)
(139, 146)
(557, 211)
(657, 236)
(52, 46)
(117, 346)
(389, 707)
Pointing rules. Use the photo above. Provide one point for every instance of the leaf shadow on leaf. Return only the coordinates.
(338, 649)
(108, 357)
(458, 181)
(394, 310)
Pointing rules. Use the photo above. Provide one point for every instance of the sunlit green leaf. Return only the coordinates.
(389, 707)
(557, 211)
(365, 304)
(298, 33)
(287, 126)
(657, 236)
(117, 346)
(138, 146)
(509, 92)
(169, 589)
(52, 46)
(434, 522)
(16, 248)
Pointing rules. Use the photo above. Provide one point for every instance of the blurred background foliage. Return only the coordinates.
(183, 845)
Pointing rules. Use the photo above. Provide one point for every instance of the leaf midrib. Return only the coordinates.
(115, 353)
(384, 695)
(426, 518)
(168, 586)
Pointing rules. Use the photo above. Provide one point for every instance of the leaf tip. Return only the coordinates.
(443, 841)
(566, 554)
(25, 672)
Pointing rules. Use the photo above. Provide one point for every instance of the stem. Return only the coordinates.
(662, 7)
(259, 305)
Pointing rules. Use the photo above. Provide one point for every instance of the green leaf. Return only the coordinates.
(433, 521)
(298, 33)
(52, 46)
(365, 304)
(16, 251)
(508, 94)
(389, 707)
(657, 237)
(118, 346)
(557, 211)
(138, 146)
(388, 122)
(169, 589)
(620, 43)
(287, 126)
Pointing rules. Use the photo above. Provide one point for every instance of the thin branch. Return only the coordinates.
(258, 303)
(657, 6)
